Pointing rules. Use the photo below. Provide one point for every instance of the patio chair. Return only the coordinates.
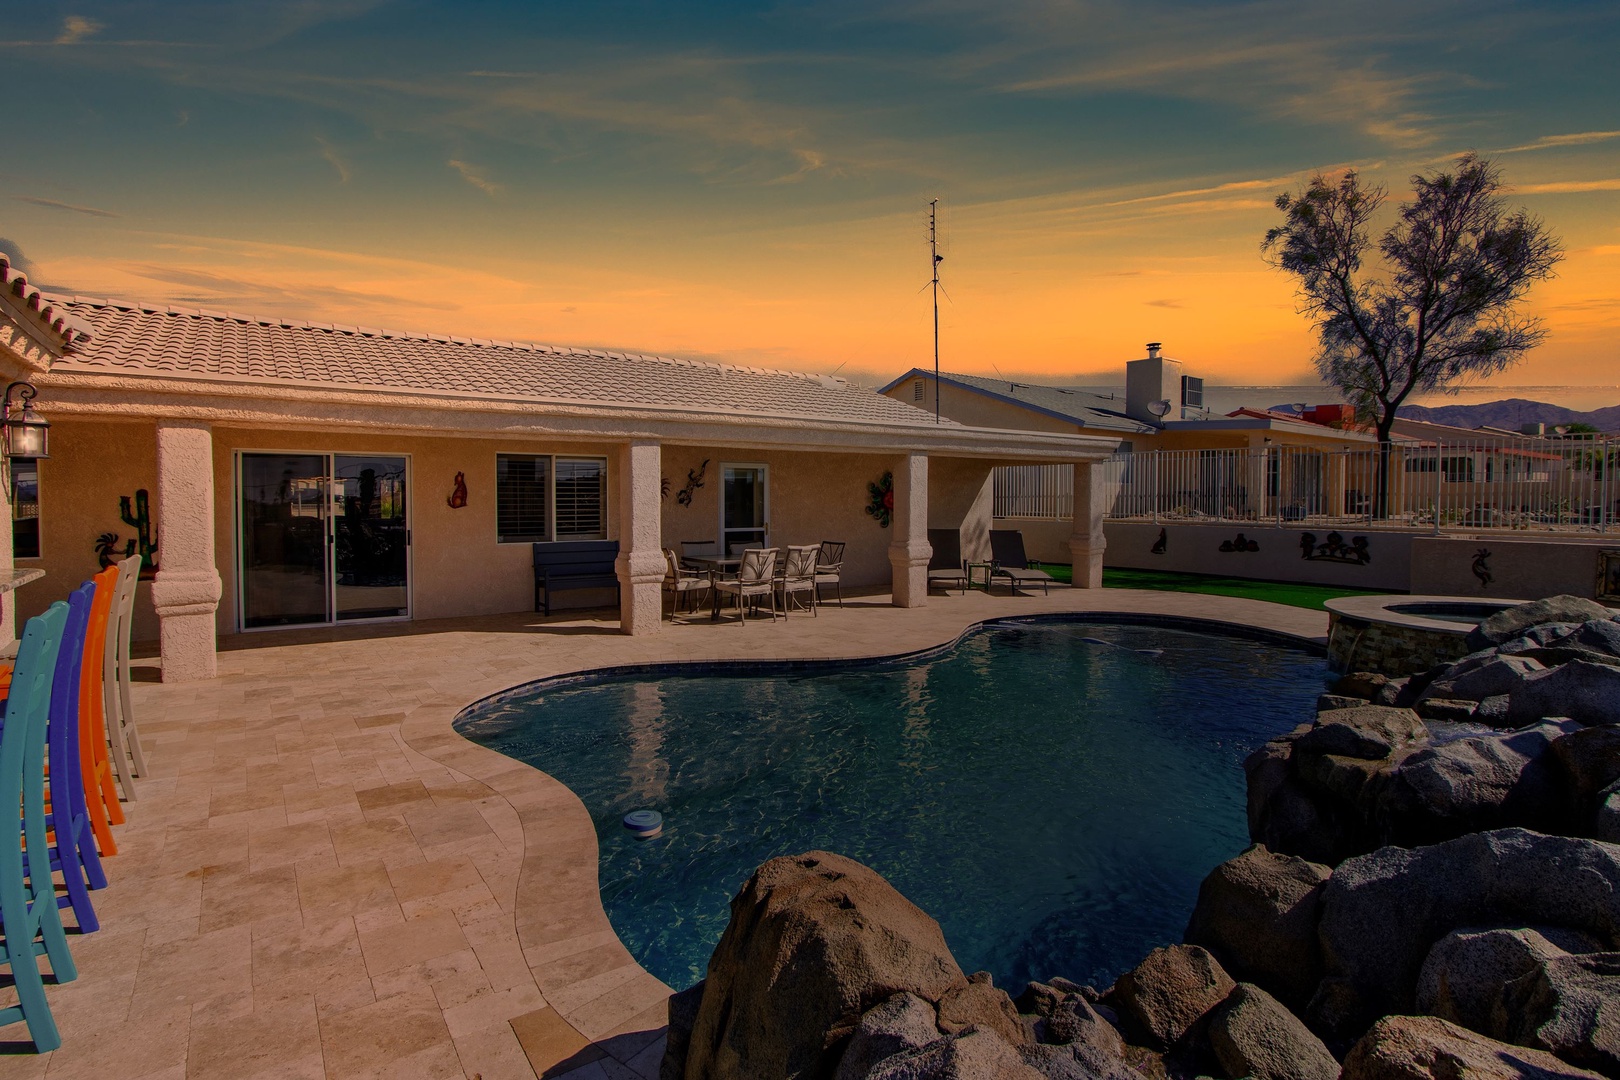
(690, 548)
(1007, 560)
(73, 845)
(33, 922)
(756, 577)
(799, 575)
(682, 583)
(100, 794)
(945, 565)
(830, 569)
(127, 759)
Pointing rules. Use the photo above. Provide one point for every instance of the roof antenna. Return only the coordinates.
(934, 259)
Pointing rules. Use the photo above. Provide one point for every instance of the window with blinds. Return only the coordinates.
(522, 497)
(581, 498)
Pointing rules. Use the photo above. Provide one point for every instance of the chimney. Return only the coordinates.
(1153, 348)
(1153, 387)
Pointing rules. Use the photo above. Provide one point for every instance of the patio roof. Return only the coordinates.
(225, 347)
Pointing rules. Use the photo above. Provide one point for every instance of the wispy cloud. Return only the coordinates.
(53, 204)
(1270, 183)
(1172, 304)
(75, 28)
(1550, 142)
(334, 159)
(475, 176)
(1562, 187)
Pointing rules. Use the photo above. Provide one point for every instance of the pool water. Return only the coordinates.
(1050, 795)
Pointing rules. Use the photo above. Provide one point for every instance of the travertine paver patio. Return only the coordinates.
(320, 878)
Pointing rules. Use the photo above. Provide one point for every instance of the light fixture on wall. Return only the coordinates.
(28, 434)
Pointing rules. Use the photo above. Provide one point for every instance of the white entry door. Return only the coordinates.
(745, 506)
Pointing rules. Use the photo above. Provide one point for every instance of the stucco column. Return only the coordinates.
(909, 551)
(1086, 542)
(187, 588)
(641, 562)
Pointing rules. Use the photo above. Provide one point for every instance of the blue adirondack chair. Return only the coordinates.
(74, 851)
(28, 913)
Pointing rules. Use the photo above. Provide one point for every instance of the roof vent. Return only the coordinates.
(1153, 348)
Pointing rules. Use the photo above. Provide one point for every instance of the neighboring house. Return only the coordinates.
(291, 473)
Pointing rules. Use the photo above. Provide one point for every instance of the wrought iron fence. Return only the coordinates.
(1485, 482)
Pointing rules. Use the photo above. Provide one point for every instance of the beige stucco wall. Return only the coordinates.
(1197, 549)
(813, 497)
(92, 464)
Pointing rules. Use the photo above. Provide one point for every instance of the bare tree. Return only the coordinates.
(1440, 306)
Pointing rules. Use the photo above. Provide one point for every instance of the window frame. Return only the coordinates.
(552, 461)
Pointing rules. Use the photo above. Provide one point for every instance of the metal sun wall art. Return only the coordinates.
(1334, 549)
(880, 503)
(458, 497)
(1239, 543)
(138, 517)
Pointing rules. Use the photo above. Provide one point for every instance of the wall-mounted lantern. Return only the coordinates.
(28, 434)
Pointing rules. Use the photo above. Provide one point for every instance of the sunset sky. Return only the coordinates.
(750, 182)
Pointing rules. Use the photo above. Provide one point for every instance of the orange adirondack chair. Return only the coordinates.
(100, 791)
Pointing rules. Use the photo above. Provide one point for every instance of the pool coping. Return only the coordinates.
(609, 1004)
(1379, 609)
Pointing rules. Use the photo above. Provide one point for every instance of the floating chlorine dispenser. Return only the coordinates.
(644, 824)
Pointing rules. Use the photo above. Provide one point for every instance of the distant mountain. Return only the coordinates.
(1513, 413)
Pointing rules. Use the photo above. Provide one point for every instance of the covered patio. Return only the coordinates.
(322, 879)
(280, 474)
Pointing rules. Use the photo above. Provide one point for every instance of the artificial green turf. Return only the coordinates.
(1278, 592)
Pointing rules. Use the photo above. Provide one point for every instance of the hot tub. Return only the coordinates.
(1402, 635)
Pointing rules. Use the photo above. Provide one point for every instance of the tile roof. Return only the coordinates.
(1081, 407)
(197, 343)
(50, 312)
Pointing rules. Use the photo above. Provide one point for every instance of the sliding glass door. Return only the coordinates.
(322, 538)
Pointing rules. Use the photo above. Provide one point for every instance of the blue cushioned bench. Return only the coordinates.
(573, 564)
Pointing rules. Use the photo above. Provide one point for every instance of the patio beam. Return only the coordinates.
(187, 588)
(909, 551)
(1086, 542)
(640, 564)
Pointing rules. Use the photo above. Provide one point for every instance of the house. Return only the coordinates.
(286, 473)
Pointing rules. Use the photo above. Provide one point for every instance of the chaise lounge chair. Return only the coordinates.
(1007, 560)
(945, 565)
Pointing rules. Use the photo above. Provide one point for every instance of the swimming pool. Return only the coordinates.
(1051, 795)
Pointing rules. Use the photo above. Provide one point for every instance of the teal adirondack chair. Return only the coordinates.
(32, 922)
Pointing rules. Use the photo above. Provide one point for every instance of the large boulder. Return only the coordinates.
(1382, 912)
(1569, 1005)
(1476, 783)
(972, 1055)
(1598, 637)
(1606, 824)
(1062, 1017)
(1514, 621)
(904, 1022)
(1369, 732)
(1253, 1035)
(1580, 690)
(1167, 993)
(1468, 975)
(1257, 915)
(1077, 1062)
(979, 1004)
(1591, 756)
(1501, 675)
(1428, 1048)
(814, 941)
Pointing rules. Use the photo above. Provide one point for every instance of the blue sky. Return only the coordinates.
(750, 181)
